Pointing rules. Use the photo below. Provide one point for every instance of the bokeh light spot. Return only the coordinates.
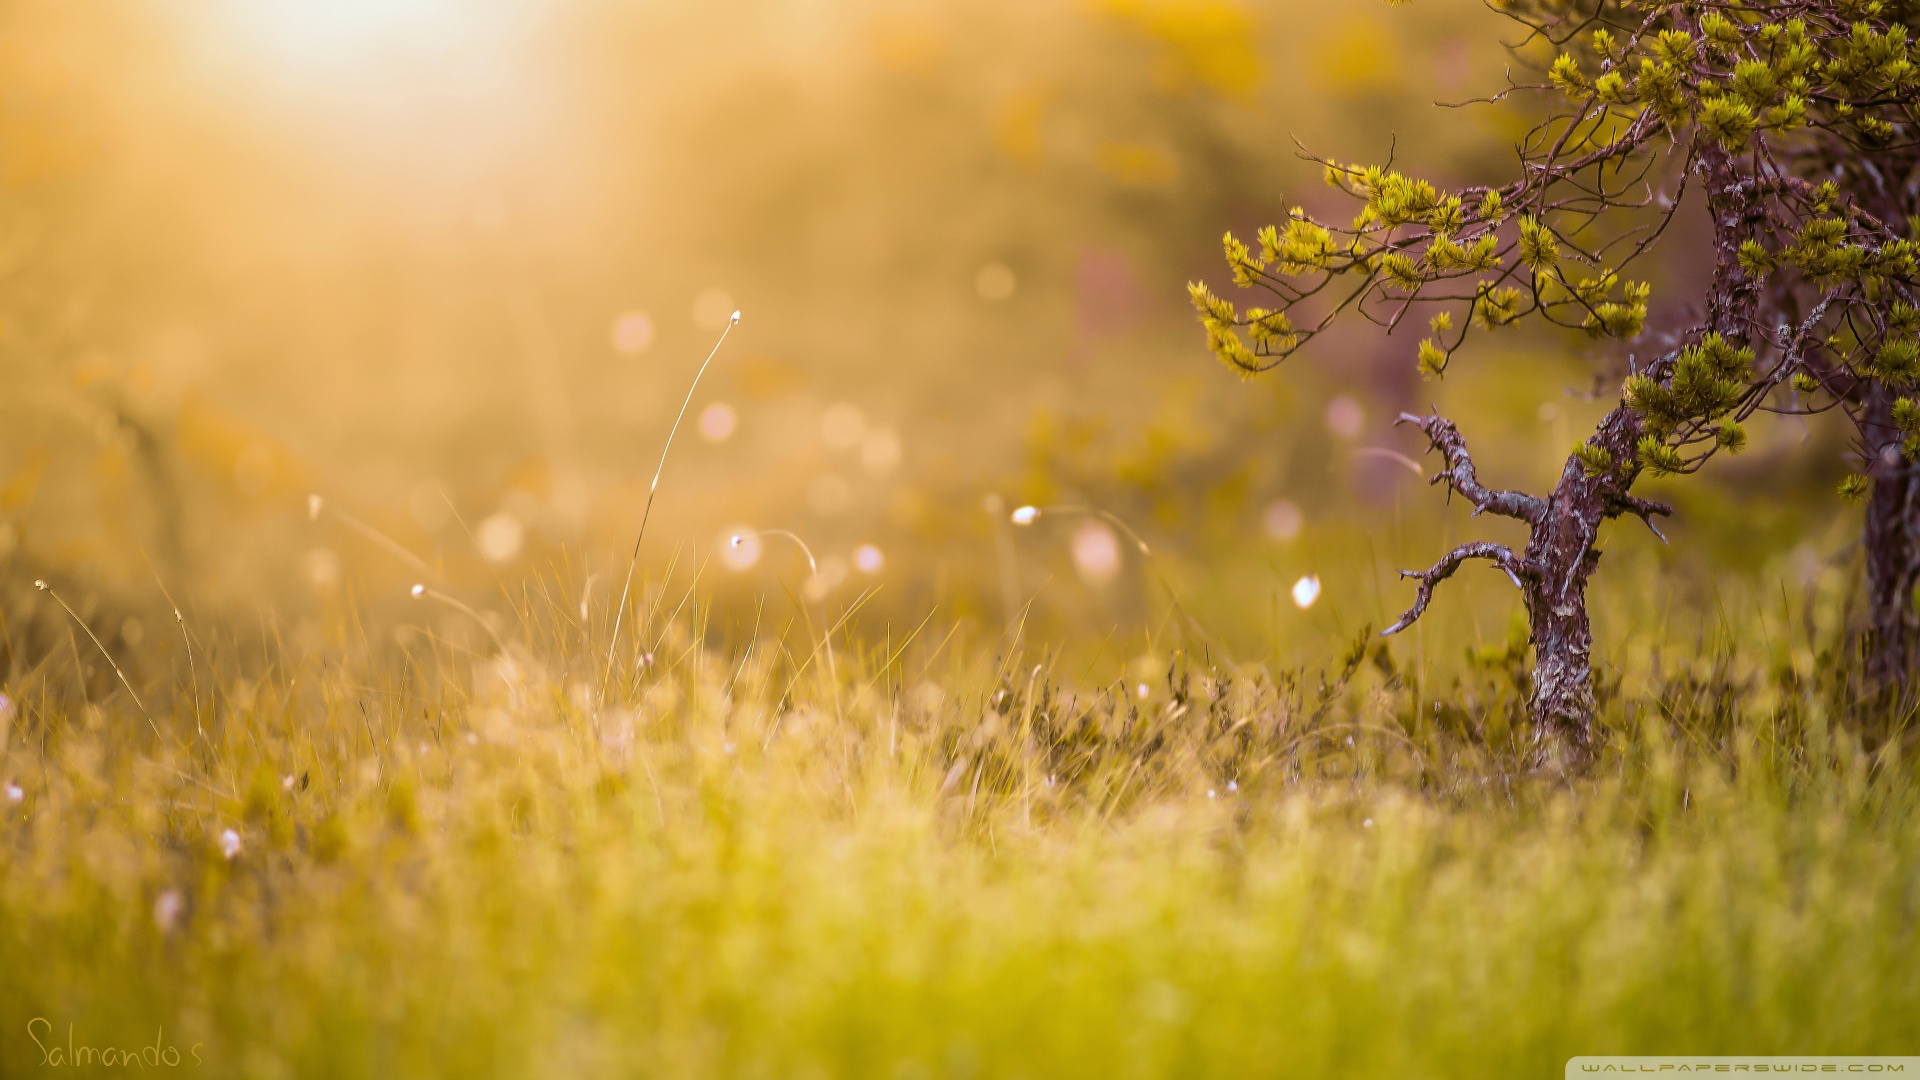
(868, 559)
(1096, 553)
(1306, 591)
(632, 333)
(717, 422)
(1344, 417)
(322, 568)
(880, 451)
(842, 425)
(1282, 520)
(500, 538)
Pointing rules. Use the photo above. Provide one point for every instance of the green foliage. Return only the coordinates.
(1662, 86)
(1659, 458)
(1756, 260)
(1708, 380)
(1614, 89)
(1768, 111)
(1854, 487)
(1220, 318)
(1622, 320)
(1271, 330)
(1897, 362)
(1729, 121)
(1594, 460)
(1903, 319)
(1538, 249)
(1906, 416)
(1305, 247)
(1246, 269)
(1496, 307)
(1674, 47)
(1394, 199)
(1720, 31)
(1566, 75)
(1402, 271)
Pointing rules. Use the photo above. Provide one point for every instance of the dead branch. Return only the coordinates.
(1499, 554)
(1461, 477)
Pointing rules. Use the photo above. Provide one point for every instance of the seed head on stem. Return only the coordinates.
(48, 589)
(619, 612)
(1027, 515)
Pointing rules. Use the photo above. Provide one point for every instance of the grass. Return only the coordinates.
(449, 866)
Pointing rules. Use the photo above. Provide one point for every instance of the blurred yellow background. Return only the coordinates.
(452, 265)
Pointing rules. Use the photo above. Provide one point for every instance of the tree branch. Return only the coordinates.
(1620, 504)
(1460, 476)
(1499, 554)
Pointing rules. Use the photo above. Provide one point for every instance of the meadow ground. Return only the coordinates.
(453, 267)
(946, 856)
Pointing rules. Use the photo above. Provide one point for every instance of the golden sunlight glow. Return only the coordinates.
(335, 28)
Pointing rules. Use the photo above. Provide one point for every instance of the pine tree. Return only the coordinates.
(1765, 116)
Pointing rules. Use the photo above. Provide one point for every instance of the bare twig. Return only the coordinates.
(1461, 477)
(1499, 554)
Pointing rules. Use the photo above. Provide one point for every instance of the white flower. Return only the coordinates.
(229, 844)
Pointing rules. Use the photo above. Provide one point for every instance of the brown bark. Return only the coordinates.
(1891, 536)
(1892, 543)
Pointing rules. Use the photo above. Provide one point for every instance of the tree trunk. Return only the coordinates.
(1561, 699)
(1562, 552)
(1892, 543)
